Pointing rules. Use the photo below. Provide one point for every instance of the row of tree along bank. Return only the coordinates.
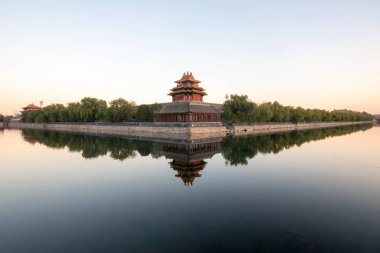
(236, 109)
(91, 110)
(240, 109)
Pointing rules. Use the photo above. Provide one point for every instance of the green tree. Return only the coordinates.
(238, 108)
(27, 116)
(286, 117)
(74, 111)
(40, 117)
(278, 112)
(120, 110)
(297, 115)
(326, 116)
(265, 112)
(146, 112)
(53, 113)
(143, 113)
(92, 109)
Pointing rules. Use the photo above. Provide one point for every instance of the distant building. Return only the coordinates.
(187, 103)
(24, 113)
(31, 107)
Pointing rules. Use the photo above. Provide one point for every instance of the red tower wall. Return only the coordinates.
(193, 97)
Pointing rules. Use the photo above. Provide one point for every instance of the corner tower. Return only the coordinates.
(187, 89)
(187, 103)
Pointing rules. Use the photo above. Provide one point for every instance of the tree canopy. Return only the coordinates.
(120, 110)
(146, 112)
(240, 109)
(236, 109)
(87, 110)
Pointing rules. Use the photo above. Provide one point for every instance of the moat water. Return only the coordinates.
(311, 191)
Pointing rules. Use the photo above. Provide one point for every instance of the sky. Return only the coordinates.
(314, 54)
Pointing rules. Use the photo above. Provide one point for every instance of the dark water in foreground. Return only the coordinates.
(314, 191)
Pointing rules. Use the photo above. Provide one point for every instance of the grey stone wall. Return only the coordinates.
(177, 132)
(131, 130)
(284, 127)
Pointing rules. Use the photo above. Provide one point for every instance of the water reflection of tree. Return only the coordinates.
(90, 146)
(121, 149)
(237, 151)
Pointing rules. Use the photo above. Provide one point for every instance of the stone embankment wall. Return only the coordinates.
(284, 127)
(146, 130)
(177, 131)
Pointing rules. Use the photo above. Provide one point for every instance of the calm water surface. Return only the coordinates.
(314, 191)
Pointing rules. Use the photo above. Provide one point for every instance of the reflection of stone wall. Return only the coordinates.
(283, 127)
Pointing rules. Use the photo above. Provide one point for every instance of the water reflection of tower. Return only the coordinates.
(188, 158)
(188, 170)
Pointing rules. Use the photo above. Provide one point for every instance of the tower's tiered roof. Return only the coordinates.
(187, 77)
(187, 85)
(31, 107)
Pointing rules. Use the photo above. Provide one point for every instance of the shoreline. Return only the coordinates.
(177, 131)
(287, 127)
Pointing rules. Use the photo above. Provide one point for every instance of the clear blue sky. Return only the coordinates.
(316, 54)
